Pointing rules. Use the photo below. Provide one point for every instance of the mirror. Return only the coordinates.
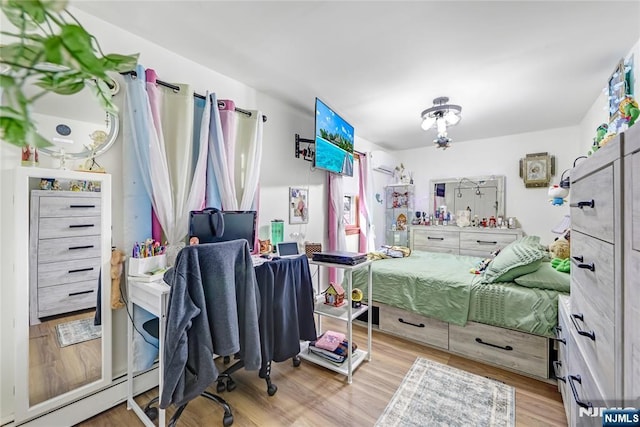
(62, 261)
(483, 195)
(76, 125)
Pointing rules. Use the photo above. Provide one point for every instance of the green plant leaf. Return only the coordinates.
(33, 8)
(53, 50)
(62, 85)
(19, 56)
(120, 63)
(12, 130)
(102, 92)
(77, 43)
(10, 112)
(14, 12)
(55, 5)
(7, 81)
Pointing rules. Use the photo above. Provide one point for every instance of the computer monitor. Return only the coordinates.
(237, 225)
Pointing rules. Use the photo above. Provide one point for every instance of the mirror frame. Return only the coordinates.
(502, 208)
(22, 261)
(114, 120)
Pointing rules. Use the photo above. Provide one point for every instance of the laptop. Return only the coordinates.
(287, 250)
(340, 257)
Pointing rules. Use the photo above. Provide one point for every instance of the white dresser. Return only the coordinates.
(64, 241)
(473, 241)
(631, 356)
(592, 321)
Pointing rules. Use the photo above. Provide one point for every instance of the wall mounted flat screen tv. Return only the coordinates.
(334, 141)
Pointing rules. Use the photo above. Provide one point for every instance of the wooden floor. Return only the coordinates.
(312, 396)
(54, 370)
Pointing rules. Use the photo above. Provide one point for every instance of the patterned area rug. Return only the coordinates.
(433, 394)
(76, 331)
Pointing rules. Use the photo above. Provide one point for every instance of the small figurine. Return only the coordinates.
(558, 195)
(29, 156)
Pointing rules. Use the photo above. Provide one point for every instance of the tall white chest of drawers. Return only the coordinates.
(65, 246)
(600, 361)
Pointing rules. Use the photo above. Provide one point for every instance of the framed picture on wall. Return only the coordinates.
(298, 205)
(536, 169)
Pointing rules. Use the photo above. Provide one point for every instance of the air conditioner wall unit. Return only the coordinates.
(384, 162)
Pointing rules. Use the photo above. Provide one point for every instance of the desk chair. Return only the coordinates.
(213, 309)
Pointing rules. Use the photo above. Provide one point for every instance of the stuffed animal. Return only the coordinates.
(558, 195)
(562, 265)
(629, 110)
(117, 259)
(560, 248)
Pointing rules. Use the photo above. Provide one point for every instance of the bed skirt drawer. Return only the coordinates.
(504, 347)
(414, 326)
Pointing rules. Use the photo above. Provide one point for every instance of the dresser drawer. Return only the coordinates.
(427, 239)
(512, 349)
(563, 345)
(66, 298)
(592, 273)
(596, 340)
(595, 219)
(56, 273)
(582, 389)
(49, 228)
(482, 244)
(414, 326)
(68, 248)
(58, 206)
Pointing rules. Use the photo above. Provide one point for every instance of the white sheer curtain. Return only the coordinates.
(337, 234)
(367, 229)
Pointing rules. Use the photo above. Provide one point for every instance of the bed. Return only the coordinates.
(435, 299)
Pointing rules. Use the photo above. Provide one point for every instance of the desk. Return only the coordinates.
(153, 297)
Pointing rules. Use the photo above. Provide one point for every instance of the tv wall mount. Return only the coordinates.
(306, 148)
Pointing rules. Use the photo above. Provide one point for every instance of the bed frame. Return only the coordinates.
(521, 352)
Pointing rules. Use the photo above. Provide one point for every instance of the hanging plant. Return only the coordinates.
(50, 50)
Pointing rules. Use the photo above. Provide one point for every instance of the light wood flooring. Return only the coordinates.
(313, 396)
(54, 370)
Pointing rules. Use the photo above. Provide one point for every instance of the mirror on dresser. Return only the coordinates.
(484, 196)
(62, 252)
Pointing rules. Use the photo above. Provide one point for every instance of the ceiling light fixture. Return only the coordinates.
(440, 116)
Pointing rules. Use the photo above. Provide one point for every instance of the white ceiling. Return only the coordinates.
(513, 66)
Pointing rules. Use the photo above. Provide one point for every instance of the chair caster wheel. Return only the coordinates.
(296, 362)
(227, 420)
(272, 389)
(226, 360)
(151, 412)
(231, 385)
(220, 387)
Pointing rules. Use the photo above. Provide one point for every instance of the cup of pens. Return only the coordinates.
(147, 258)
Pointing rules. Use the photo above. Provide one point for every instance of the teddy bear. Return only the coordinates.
(558, 195)
(560, 248)
(117, 260)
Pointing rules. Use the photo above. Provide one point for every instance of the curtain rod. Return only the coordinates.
(196, 95)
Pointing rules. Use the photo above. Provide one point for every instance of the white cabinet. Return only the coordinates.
(65, 244)
(346, 313)
(473, 241)
(399, 211)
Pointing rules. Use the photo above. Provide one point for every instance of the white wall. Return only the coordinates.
(499, 156)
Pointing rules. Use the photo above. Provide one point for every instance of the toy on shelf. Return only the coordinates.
(334, 295)
(629, 110)
(558, 195)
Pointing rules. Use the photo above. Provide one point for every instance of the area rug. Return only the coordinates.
(433, 394)
(77, 331)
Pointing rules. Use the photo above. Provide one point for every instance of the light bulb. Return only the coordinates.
(452, 118)
(442, 126)
(428, 122)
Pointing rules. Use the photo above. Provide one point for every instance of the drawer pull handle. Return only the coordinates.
(580, 403)
(558, 330)
(81, 225)
(506, 347)
(79, 270)
(401, 320)
(556, 366)
(435, 238)
(586, 265)
(591, 203)
(73, 294)
(73, 248)
(486, 242)
(580, 317)
(81, 206)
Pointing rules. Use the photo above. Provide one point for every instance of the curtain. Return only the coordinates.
(220, 190)
(337, 234)
(367, 230)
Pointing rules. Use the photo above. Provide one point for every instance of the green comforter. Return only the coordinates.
(440, 286)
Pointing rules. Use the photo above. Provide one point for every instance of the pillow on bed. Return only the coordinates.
(546, 277)
(514, 260)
